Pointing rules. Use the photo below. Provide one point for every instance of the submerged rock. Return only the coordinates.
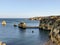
(15, 25)
(32, 31)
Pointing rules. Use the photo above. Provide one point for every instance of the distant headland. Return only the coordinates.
(39, 18)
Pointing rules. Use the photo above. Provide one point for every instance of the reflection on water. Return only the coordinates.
(16, 36)
(22, 30)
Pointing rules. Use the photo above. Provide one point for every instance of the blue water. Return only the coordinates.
(15, 36)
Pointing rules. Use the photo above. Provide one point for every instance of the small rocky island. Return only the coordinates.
(51, 23)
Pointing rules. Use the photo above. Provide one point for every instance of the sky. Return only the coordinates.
(28, 8)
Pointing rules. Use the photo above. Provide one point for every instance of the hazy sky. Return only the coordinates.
(28, 8)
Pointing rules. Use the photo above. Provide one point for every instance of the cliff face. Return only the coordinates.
(55, 32)
(47, 22)
(52, 23)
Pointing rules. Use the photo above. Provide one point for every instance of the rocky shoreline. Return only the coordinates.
(51, 23)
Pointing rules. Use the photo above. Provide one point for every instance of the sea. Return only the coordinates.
(16, 36)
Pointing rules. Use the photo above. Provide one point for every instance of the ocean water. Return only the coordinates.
(15, 36)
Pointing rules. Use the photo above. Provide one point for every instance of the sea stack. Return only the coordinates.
(3, 22)
(2, 43)
(22, 25)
